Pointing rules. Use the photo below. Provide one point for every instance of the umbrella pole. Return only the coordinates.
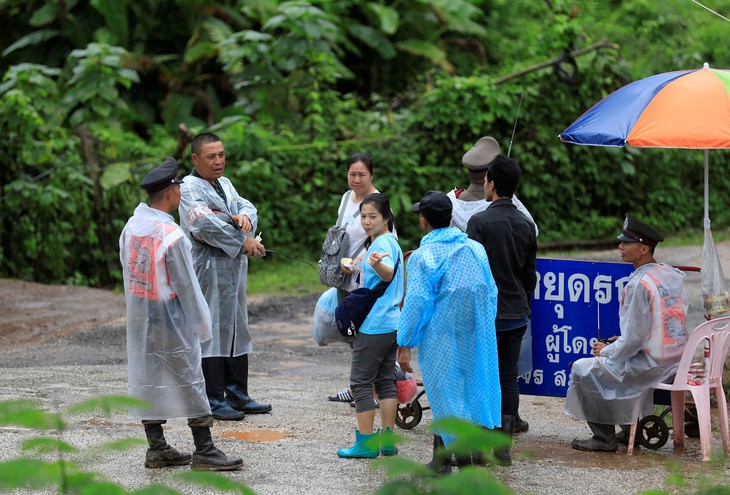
(707, 189)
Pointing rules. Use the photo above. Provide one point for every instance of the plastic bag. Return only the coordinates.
(714, 293)
(405, 385)
(524, 363)
(324, 327)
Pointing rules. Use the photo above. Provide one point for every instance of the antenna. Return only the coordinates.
(515, 126)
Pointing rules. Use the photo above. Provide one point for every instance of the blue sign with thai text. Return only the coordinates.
(575, 303)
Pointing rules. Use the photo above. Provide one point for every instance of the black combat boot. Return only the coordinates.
(503, 456)
(521, 425)
(603, 440)
(160, 454)
(440, 462)
(236, 380)
(207, 457)
(214, 372)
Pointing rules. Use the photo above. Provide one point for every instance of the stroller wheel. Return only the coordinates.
(409, 415)
(653, 432)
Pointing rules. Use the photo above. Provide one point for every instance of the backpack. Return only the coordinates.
(335, 247)
(351, 313)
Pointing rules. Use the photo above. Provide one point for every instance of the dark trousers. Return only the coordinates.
(222, 371)
(508, 351)
(373, 365)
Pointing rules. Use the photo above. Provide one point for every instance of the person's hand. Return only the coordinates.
(243, 222)
(347, 265)
(613, 339)
(375, 258)
(404, 359)
(597, 347)
(254, 248)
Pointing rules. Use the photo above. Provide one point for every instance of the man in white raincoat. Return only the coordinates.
(470, 201)
(603, 390)
(221, 225)
(449, 312)
(167, 318)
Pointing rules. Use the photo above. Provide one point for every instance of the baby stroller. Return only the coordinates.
(409, 414)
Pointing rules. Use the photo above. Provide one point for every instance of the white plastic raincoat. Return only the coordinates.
(221, 266)
(652, 320)
(167, 318)
(464, 210)
(449, 311)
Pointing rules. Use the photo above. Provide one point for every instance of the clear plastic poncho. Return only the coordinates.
(464, 210)
(167, 318)
(652, 321)
(221, 266)
(449, 312)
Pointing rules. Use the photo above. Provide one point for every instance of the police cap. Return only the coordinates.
(636, 231)
(161, 176)
(481, 154)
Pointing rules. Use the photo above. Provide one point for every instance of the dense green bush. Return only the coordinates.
(294, 87)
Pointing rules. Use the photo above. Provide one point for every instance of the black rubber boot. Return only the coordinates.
(521, 425)
(236, 387)
(214, 372)
(503, 455)
(207, 457)
(440, 463)
(604, 439)
(160, 454)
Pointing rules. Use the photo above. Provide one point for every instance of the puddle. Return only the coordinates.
(256, 436)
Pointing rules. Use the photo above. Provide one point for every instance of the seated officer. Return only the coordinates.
(603, 390)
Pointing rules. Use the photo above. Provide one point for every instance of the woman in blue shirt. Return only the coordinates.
(374, 350)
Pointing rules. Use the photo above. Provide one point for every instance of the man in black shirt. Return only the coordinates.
(509, 239)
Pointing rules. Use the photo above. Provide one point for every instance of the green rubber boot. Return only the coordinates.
(387, 446)
(363, 448)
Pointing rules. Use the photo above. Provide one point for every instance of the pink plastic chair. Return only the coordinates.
(718, 333)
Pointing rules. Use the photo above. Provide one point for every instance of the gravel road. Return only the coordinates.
(78, 352)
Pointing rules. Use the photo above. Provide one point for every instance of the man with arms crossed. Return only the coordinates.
(221, 225)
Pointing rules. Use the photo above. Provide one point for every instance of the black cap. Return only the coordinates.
(434, 202)
(161, 176)
(636, 231)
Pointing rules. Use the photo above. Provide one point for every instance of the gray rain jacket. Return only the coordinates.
(652, 320)
(221, 266)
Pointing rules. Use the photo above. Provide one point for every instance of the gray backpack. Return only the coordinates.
(335, 247)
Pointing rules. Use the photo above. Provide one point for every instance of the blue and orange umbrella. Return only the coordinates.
(683, 109)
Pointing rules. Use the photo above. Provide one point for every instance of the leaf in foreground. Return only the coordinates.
(214, 480)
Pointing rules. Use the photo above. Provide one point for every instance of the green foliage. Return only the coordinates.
(27, 414)
(216, 481)
(294, 87)
(409, 477)
(106, 404)
(67, 474)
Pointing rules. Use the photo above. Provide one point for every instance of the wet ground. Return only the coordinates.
(63, 345)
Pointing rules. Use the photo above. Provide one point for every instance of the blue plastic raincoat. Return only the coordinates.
(449, 312)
